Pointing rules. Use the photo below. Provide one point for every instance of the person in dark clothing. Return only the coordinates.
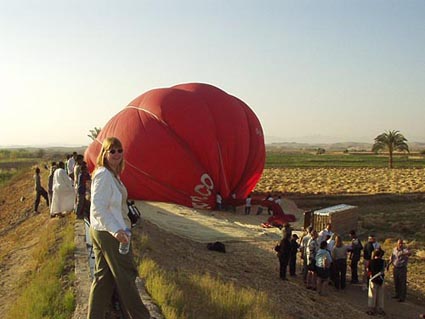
(50, 182)
(355, 251)
(82, 179)
(284, 252)
(39, 191)
(376, 269)
(367, 256)
(293, 254)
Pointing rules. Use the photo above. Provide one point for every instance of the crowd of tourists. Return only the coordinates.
(325, 259)
(68, 187)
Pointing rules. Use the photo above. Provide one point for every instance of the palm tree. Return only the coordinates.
(392, 141)
(94, 133)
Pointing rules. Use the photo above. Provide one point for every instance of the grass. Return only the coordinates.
(276, 159)
(49, 292)
(229, 301)
(185, 296)
(5, 176)
(9, 167)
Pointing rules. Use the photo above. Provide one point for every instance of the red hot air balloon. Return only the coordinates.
(185, 144)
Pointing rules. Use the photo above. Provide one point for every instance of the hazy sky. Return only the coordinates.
(336, 70)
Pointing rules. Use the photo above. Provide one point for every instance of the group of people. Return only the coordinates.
(68, 187)
(325, 258)
(69, 182)
(269, 197)
(220, 203)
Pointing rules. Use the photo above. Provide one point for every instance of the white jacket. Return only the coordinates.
(106, 203)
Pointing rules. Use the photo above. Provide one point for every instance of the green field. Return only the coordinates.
(298, 160)
(13, 160)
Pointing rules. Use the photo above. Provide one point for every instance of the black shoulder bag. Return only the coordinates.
(133, 213)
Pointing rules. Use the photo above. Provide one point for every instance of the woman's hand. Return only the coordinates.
(121, 236)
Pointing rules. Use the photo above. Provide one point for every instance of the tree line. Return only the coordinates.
(21, 153)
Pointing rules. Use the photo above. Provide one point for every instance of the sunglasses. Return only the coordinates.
(113, 151)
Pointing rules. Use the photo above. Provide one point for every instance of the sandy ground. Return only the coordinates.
(250, 263)
(209, 226)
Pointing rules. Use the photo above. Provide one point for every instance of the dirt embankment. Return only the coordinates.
(19, 235)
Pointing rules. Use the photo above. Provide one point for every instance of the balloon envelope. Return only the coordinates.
(186, 143)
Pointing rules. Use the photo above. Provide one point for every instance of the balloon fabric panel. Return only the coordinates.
(232, 144)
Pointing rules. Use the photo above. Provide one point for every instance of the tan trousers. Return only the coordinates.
(113, 269)
(375, 295)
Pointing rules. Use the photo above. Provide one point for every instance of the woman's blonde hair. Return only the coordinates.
(101, 161)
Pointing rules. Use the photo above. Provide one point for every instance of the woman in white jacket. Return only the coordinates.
(109, 220)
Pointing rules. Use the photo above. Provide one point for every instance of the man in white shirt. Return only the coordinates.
(71, 165)
(323, 235)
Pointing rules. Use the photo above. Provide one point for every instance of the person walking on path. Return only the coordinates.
(109, 222)
(399, 259)
(39, 191)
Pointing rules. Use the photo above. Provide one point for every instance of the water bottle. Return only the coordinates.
(125, 248)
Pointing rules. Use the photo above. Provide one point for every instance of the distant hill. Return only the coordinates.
(271, 142)
(340, 146)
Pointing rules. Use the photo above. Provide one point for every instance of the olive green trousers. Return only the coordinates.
(113, 269)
